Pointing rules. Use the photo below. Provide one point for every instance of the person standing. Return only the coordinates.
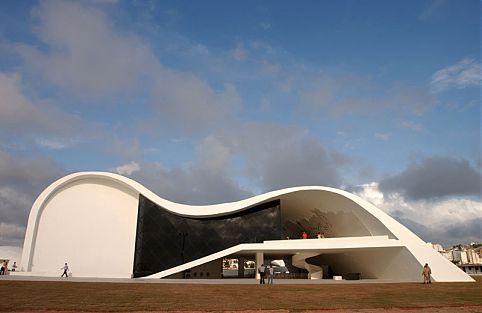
(304, 235)
(4, 267)
(266, 272)
(426, 272)
(271, 274)
(261, 270)
(66, 269)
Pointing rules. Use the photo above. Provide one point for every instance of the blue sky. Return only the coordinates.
(230, 99)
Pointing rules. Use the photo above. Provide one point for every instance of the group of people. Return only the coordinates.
(319, 235)
(266, 271)
(4, 268)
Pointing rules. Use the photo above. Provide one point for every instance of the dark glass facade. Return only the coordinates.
(165, 240)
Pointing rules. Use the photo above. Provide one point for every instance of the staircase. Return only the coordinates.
(299, 260)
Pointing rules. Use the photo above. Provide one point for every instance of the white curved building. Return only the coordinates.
(107, 225)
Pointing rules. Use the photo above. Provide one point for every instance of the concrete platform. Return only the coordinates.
(228, 281)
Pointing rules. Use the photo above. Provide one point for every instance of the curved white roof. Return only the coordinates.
(312, 194)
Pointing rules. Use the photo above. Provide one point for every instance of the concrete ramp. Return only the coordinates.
(300, 249)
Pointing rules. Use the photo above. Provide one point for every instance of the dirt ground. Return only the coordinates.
(469, 309)
(79, 297)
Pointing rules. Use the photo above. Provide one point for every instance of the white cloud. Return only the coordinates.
(371, 193)
(265, 25)
(13, 253)
(270, 69)
(53, 143)
(128, 169)
(21, 180)
(440, 220)
(412, 125)
(214, 157)
(382, 136)
(463, 74)
(239, 53)
(187, 102)
(11, 231)
(346, 94)
(20, 115)
(263, 156)
(85, 54)
(276, 156)
(88, 56)
(432, 9)
(194, 184)
(265, 104)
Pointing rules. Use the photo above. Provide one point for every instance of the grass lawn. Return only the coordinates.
(27, 296)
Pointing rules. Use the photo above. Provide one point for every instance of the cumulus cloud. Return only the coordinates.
(265, 25)
(344, 94)
(127, 169)
(187, 102)
(206, 180)
(412, 125)
(277, 156)
(446, 221)
(382, 136)
(11, 234)
(13, 253)
(263, 156)
(21, 181)
(19, 115)
(89, 56)
(432, 9)
(192, 184)
(435, 177)
(239, 53)
(463, 74)
(85, 54)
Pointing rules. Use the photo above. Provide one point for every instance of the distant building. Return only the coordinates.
(460, 256)
(471, 269)
(473, 257)
(448, 255)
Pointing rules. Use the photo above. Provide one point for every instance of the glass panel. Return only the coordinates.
(165, 240)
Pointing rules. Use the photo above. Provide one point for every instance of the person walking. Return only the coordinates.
(426, 272)
(66, 270)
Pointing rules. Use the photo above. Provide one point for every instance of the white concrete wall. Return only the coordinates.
(90, 224)
(89, 219)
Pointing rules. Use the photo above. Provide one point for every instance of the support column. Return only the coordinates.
(259, 261)
(241, 266)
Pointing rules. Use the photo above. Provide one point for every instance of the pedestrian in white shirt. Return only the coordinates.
(66, 269)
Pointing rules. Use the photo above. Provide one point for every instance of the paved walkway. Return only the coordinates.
(230, 281)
